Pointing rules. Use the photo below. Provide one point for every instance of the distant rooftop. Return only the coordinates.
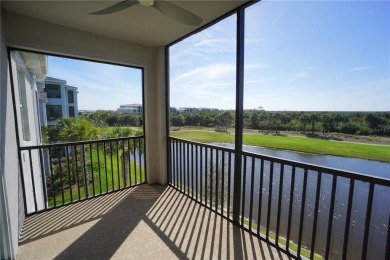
(54, 79)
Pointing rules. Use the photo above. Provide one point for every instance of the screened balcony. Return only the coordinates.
(158, 196)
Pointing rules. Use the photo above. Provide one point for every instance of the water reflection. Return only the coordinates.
(262, 180)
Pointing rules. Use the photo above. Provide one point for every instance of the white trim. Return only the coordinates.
(5, 231)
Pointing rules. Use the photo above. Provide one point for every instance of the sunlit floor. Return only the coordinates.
(145, 222)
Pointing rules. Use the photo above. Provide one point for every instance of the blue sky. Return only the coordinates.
(100, 86)
(299, 55)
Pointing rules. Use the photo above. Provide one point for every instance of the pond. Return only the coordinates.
(380, 208)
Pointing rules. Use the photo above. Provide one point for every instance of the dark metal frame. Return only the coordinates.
(131, 142)
(19, 147)
(181, 176)
(240, 12)
(174, 174)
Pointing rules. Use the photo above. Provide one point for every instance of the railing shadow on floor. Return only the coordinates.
(146, 220)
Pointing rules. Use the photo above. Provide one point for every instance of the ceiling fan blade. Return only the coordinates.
(177, 13)
(116, 7)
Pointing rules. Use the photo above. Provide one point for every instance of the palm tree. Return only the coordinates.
(78, 129)
(125, 148)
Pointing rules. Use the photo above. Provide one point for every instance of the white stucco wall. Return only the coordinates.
(37, 35)
(9, 170)
(34, 172)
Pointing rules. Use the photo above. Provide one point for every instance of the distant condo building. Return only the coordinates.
(194, 109)
(131, 108)
(56, 100)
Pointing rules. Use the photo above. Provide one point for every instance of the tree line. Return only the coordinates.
(91, 126)
(113, 118)
(356, 123)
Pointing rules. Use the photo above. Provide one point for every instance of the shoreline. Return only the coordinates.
(365, 151)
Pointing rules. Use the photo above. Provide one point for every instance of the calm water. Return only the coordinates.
(380, 208)
(349, 164)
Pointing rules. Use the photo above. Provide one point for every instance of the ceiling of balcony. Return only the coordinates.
(138, 24)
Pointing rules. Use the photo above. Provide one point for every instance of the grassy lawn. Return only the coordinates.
(292, 143)
(113, 181)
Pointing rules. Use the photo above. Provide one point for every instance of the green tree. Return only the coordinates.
(304, 119)
(78, 129)
(223, 121)
(124, 148)
(255, 120)
(313, 118)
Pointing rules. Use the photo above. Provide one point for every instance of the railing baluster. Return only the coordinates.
(33, 181)
(216, 178)
(171, 153)
(271, 178)
(112, 167)
(205, 170)
(348, 218)
(368, 221)
(279, 202)
(105, 164)
(223, 183)
(77, 173)
(260, 196)
(135, 162)
(201, 175)
(177, 164)
(330, 217)
(302, 215)
(182, 166)
(53, 188)
(187, 163)
(43, 177)
(251, 190)
(197, 172)
(85, 174)
(69, 178)
(100, 174)
(124, 165)
(229, 183)
(60, 174)
(211, 176)
(243, 193)
(317, 199)
(192, 170)
(117, 165)
(91, 162)
(139, 161)
(292, 189)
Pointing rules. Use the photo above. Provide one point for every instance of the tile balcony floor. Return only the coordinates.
(145, 222)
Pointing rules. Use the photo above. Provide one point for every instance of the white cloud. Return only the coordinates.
(360, 68)
(300, 74)
(208, 72)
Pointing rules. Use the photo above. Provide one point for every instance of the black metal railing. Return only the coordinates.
(54, 175)
(305, 210)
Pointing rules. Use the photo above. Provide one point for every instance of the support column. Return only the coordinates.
(155, 119)
(239, 115)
